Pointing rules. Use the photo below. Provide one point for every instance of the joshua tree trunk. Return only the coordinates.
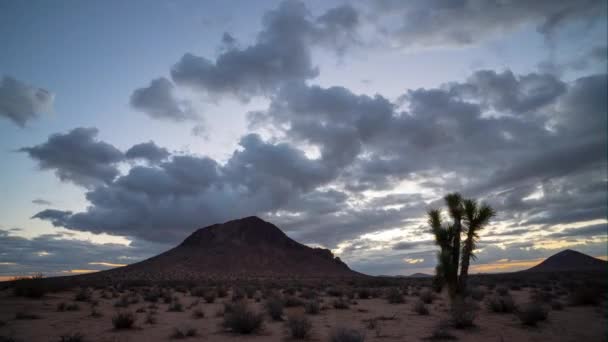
(464, 266)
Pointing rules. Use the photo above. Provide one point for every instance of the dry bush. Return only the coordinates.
(427, 296)
(274, 308)
(179, 333)
(198, 313)
(346, 335)
(312, 307)
(340, 304)
(420, 308)
(175, 306)
(394, 296)
(238, 318)
(463, 313)
(61, 307)
(123, 320)
(72, 337)
(500, 304)
(26, 315)
(441, 331)
(502, 290)
(586, 295)
(299, 327)
(532, 313)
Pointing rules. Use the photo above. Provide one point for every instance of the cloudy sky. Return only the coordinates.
(126, 125)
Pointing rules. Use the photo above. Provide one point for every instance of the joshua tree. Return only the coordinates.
(467, 217)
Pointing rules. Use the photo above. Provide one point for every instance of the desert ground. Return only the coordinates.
(391, 311)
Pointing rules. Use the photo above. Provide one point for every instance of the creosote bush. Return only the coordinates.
(340, 304)
(179, 333)
(342, 334)
(427, 296)
(239, 319)
(299, 327)
(500, 304)
(532, 313)
(463, 313)
(72, 337)
(274, 308)
(420, 308)
(312, 307)
(394, 296)
(123, 320)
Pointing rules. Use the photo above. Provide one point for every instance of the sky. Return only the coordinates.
(127, 125)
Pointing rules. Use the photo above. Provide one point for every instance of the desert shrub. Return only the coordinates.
(26, 315)
(394, 296)
(557, 305)
(299, 327)
(462, 313)
(420, 308)
(150, 318)
(238, 294)
(152, 295)
(500, 304)
(95, 313)
(250, 291)
(312, 307)
(427, 296)
(140, 310)
(274, 308)
(123, 320)
(33, 287)
(441, 331)
(175, 306)
(532, 313)
(346, 335)
(340, 303)
(292, 301)
(515, 287)
(309, 294)
(502, 290)
(123, 302)
(543, 296)
(240, 319)
(198, 313)
(71, 337)
(83, 295)
(179, 333)
(67, 307)
(586, 295)
(477, 293)
(221, 292)
(335, 292)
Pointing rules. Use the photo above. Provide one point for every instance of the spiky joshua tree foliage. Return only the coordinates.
(468, 218)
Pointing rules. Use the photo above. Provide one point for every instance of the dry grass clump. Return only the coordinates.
(420, 308)
(532, 313)
(500, 304)
(175, 306)
(198, 313)
(441, 332)
(123, 320)
(239, 319)
(72, 337)
(299, 327)
(394, 296)
(342, 334)
(61, 307)
(341, 304)
(312, 307)
(274, 308)
(427, 296)
(180, 333)
(463, 312)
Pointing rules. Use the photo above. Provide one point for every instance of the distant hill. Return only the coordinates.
(569, 260)
(248, 248)
(419, 275)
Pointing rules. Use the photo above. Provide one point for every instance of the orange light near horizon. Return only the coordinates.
(79, 271)
(107, 264)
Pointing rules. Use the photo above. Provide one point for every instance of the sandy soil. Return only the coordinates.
(580, 324)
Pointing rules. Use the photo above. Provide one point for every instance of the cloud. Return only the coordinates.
(21, 102)
(280, 53)
(41, 201)
(158, 101)
(448, 23)
(148, 151)
(77, 157)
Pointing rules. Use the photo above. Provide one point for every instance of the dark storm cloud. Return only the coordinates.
(148, 151)
(53, 254)
(281, 53)
(21, 102)
(437, 137)
(405, 245)
(77, 157)
(440, 23)
(587, 231)
(159, 102)
(507, 93)
(167, 202)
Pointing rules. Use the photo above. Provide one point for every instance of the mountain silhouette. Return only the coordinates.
(569, 260)
(247, 248)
